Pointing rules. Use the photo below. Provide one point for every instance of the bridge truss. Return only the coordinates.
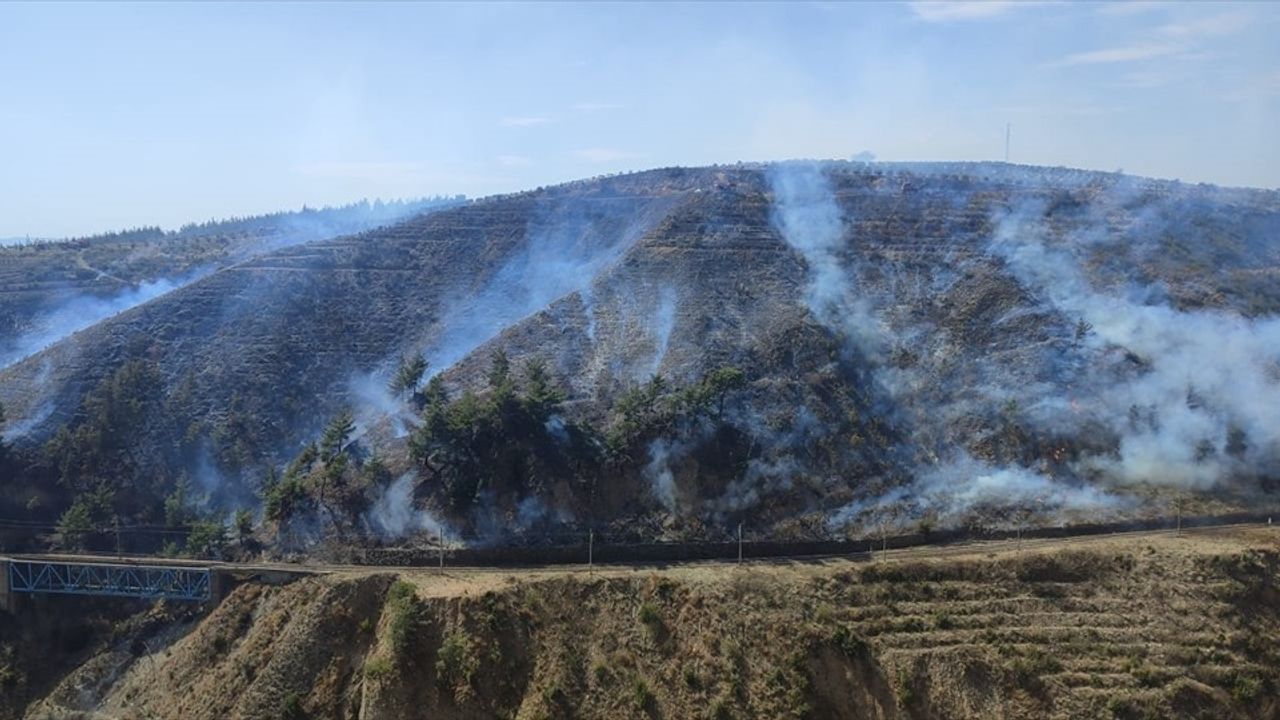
(113, 580)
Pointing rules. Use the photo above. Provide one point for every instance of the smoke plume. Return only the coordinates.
(557, 258)
(807, 215)
(82, 311)
(1193, 404)
(394, 516)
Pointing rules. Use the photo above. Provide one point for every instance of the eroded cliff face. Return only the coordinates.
(904, 330)
(1153, 626)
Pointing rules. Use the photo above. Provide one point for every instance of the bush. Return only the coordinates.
(641, 694)
(206, 539)
(9, 676)
(905, 692)
(281, 499)
(1246, 688)
(404, 613)
(291, 707)
(74, 526)
(377, 668)
(691, 678)
(849, 642)
(456, 661)
(648, 614)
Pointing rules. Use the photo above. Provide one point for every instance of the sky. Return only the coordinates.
(123, 115)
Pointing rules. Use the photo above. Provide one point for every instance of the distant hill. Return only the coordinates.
(49, 288)
(837, 343)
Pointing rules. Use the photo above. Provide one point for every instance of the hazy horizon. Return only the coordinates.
(117, 116)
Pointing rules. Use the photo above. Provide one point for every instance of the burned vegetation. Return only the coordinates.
(812, 350)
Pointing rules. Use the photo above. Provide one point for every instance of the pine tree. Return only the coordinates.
(408, 375)
(336, 435)
(541, 397)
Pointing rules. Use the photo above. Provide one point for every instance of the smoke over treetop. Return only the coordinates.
(942, 338)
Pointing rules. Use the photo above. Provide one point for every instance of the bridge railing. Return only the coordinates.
(114, 580)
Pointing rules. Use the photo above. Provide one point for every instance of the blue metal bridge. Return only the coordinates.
(107, 579)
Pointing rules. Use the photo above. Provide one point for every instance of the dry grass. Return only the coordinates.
(1126, 627)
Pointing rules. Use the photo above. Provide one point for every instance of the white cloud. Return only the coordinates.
(963, 9)
(524, 121)
(604, 155)
(1129, 53)
(1209, 25)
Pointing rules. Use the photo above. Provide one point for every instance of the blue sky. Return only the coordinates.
(121, 115)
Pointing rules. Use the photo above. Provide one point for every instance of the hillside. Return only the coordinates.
(837, 344)
(1131, 627)
(50, 288)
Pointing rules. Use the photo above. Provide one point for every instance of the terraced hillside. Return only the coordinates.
(50, 288)
(1137, 626)
(893, 342)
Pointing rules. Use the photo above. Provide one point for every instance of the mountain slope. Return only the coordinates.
(931, 341)
(49, 289)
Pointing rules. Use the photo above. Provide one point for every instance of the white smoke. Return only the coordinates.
(555, 425)
(808, 216)
(533, 511)
(394, 516)
(763, 477)
(658, 470)
(967, 485)
(806, 213)
(588, 310)
(373, 402)
(81, 311)
(1201, 407)
(556, 260)
(664, 322)
(15, 429)
(778, 467)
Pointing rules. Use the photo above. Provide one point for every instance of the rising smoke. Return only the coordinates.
(394, 516)
(559, 257)
(254, 236)
(81, 311)
(659, 473)
(1199, 407)
(805, 211)
(807, 214)
(664, 322)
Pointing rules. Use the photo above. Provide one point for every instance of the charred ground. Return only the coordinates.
(944, 348)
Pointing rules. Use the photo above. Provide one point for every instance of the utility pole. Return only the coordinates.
(739, 543)
(591, 551)
(440, 540)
